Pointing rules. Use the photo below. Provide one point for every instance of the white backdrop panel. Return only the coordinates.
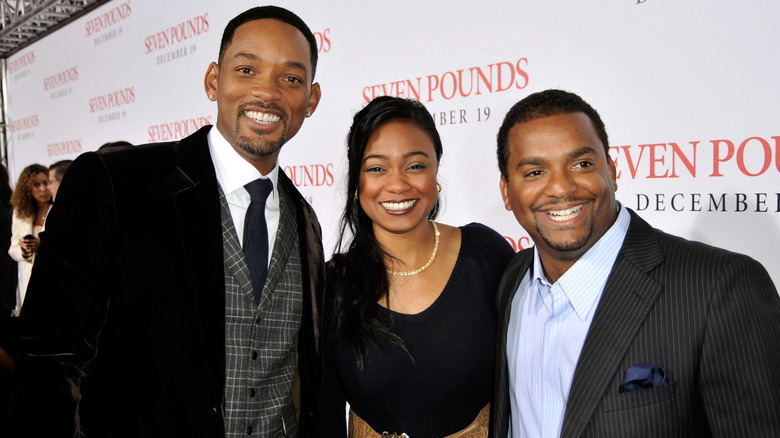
(687, 90)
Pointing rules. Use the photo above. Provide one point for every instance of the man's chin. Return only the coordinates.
(259, 148)
(566, 245)
(257, 153)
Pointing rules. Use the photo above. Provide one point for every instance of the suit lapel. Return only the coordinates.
(507, 290)
(628, 296)
(198, 212)
(200, 235)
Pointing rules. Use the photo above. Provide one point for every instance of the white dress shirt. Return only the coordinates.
(547, 329)
(233, 172)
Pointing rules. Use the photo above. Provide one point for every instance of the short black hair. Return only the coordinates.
(545, 104)
(273, 12)
(59, 168)
(114, 144)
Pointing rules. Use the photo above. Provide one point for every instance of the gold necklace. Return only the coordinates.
(430, 260)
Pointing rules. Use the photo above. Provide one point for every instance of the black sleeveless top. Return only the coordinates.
(448, 379)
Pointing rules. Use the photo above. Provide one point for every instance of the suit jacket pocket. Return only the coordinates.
(643, 397)
(289, 420)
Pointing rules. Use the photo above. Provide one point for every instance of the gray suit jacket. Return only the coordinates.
(709, 317)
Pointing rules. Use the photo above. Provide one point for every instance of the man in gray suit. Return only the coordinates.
(608, 327)
(153, 311)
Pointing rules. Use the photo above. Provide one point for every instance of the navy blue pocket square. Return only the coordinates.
(641, 376)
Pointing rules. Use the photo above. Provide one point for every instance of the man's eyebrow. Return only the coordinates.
(296, 65)
(247, 55)
(253, 57)
(530, 161)
(536, 161)
(582, 151)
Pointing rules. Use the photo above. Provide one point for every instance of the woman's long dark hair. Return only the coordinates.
(361, 279)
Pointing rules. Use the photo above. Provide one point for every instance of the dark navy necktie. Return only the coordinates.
(256, 234)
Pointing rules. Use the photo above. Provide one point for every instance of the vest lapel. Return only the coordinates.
(235, 262)
(280, 253)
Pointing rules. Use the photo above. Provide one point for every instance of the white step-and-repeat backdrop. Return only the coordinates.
(688, 90)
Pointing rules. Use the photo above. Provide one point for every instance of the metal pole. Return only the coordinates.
(4, 111)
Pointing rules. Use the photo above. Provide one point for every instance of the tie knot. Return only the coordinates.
(259, 189)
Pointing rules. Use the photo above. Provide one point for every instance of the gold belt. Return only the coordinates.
(478, 428)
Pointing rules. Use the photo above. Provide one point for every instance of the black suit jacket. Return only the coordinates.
(127, 301)
(709, 317)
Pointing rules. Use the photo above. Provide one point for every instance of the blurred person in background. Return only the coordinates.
(8, 279)
(31, 202)
(8, 266)
(56, 172)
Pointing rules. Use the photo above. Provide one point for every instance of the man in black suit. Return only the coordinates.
(144, 317)
(610, 328)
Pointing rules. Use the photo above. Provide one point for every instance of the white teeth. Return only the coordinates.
(259, 117)
(395, 206)
(564, 215)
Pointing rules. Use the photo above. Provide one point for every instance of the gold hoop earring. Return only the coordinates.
(356, 195)
(438, 186)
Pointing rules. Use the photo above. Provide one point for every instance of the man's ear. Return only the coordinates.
(314, 98)
(612, 172)
(211, 79)
(504, 186)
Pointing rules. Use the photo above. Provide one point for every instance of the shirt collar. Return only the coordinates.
(233, 171)
(585, 280)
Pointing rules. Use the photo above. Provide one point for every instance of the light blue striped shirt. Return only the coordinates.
(547, 329)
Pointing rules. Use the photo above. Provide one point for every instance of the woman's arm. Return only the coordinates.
(19, 229)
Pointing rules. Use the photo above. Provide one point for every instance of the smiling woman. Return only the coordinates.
(410, 298)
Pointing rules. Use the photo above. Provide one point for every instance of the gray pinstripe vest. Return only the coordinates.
(260, 339)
